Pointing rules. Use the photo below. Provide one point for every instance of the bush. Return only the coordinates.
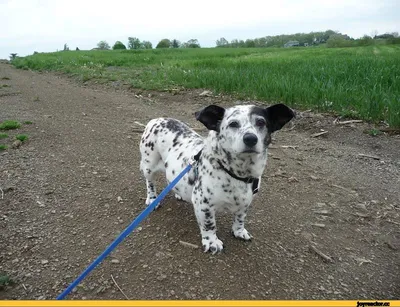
(164, 43)
(338, 40)
(119, 46)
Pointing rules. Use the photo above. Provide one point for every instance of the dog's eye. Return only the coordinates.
(234, 125)
(260, 123)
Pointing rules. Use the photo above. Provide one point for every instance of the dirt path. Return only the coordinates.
(60, 206)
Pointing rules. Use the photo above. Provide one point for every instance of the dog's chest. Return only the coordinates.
(216, 187)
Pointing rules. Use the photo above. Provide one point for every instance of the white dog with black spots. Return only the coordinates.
(231, 161)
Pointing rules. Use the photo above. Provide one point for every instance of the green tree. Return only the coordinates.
(191, 43)
(103, 45)
(164, 43)
(175, 43)
(250, 43)
(222, 42)
(147, 45)
(66, 48)
(134, 43)
(119, 46)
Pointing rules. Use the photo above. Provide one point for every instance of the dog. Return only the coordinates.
(231, 160)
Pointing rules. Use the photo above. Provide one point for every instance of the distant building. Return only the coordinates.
(291, 44)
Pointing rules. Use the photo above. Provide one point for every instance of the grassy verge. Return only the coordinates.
(359, 82)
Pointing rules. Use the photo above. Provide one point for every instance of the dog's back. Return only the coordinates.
(167, 145)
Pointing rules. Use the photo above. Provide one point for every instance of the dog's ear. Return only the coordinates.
(277, 116)
(210, 116)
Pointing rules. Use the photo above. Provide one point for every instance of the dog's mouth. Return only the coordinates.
(250, 151)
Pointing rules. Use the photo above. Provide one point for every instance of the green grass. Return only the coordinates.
(3, 136)
(3, 147)
(21, 137)
(374, 132)
(5, 280)
(9, 125)
(27, 122)
(358, 82)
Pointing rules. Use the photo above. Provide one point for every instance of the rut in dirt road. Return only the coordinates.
(75, 184)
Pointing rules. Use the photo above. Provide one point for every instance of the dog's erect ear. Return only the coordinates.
(277, 116)
(210, 116)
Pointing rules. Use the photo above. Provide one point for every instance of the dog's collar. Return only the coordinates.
(254, 181)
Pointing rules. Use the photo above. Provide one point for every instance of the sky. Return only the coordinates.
(46, 25)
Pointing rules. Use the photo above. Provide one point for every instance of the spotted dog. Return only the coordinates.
(231, 161)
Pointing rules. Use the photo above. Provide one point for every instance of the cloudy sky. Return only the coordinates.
(46, 25)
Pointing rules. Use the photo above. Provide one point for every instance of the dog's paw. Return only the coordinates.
(213, 246)
(149, 200)
(242, 234)
(178, 197)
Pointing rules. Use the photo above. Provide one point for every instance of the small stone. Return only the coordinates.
(119, 199)
(206, 93)
(16, 144)
(361, 206)
(44, 261)
(114, 261)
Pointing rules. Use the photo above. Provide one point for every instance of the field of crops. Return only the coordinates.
(359, 82)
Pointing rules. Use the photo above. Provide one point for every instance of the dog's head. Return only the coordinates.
(245, 129)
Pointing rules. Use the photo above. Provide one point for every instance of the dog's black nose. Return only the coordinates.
(250, 139)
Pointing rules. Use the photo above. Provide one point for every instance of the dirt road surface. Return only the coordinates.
(70, 189)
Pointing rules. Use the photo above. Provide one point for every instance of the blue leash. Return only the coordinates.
(128, 229)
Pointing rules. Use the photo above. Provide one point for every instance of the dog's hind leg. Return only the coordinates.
(150, 164)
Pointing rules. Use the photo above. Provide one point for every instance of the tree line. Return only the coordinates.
(136, 43)
(330, 37)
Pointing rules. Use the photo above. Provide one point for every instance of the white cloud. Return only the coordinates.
(45, 25)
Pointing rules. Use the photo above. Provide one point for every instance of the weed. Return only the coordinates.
(3, 136)
(36, 98)
(9, 125)
(21, 137)
(374, 132)
(3, 147)
(27, 122)
(5, 78)
(5, 280)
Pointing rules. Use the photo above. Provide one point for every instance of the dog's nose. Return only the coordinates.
(250, 139)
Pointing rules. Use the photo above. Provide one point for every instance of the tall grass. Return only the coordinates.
(361, 82)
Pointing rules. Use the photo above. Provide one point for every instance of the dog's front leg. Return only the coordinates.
(205, 214)
(238, 229)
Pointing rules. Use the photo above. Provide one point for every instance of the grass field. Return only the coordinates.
(359, 82)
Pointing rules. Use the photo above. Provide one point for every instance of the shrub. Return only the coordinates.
(164, 43)
(119, 46)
